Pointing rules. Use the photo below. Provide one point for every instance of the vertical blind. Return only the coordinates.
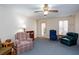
(63, 27)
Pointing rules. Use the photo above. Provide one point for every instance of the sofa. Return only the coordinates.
(23, 42)
(69, 39)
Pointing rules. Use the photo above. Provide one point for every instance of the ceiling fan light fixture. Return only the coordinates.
(45, 12)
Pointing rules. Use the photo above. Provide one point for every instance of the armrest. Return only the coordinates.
(17, 42)
(68, 38)
(64, 36)
(29, 39)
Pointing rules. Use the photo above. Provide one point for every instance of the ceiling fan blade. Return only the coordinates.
(53, 10)
(38, 11)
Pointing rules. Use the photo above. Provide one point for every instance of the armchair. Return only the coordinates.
(53, 35)
(23, 42)
(69, 39)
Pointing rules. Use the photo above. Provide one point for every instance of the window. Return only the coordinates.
(63, 27)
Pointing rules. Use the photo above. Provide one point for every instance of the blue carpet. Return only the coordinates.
(47, 47)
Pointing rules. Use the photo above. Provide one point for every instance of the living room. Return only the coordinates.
(15, 18)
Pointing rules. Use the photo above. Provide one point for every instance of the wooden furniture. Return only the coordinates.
(5, 51)
(6, 44)
(31, 34)
(0, 45)
(7, 48)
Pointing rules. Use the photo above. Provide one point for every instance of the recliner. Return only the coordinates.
(70, 39)
(23, 42)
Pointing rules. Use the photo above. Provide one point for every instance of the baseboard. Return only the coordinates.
(42, 37)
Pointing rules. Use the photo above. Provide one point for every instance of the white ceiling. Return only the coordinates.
(28, 10)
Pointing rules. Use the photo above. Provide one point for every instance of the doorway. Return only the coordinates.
(43, 29)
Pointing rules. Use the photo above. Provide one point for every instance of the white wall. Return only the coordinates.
(77, 22)
(11, 22)
(52, 23)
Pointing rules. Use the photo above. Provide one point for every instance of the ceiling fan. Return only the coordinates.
(46, 10)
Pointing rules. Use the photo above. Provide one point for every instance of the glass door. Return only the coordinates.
(43, 29)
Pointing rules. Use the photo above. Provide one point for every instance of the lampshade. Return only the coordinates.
(24, 26)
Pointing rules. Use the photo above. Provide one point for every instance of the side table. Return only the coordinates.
(59, 36)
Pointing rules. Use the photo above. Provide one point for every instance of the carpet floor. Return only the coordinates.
(47, 47)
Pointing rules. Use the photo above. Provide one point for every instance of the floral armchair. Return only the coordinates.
(23, 42)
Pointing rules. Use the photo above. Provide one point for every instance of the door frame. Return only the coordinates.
(45, 29)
